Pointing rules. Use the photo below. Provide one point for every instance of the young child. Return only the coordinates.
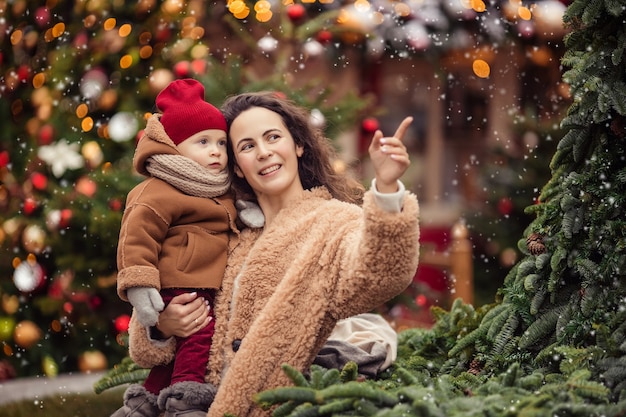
(174, 238)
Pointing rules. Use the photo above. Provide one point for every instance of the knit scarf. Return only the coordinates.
(188, 176)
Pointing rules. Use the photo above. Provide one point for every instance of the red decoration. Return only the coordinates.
(4, 159)
(296, 12)
(505, 206)
(115, 204)
(370, 125)
(324, 36)
(30, 205)
(81, 40)
(182, 69)
(23, 73)
(121, 323)
(42, 16)
(95, 302)
(39, 180)
(66, 216)
(46, 134)
(68, 307)
(86, 186)
(198, 66)
(421, 300)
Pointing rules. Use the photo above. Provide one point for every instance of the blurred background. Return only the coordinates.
(78, 79)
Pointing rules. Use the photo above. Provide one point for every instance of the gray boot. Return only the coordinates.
(138, 403)
(188, 398)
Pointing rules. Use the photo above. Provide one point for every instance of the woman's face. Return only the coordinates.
(266, 155)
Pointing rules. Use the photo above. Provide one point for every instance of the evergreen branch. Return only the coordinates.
(497, 323)
(537, 301)
(541, 328)
(295, 376)
(506, 334)
(349, 372)
(579, 383)
(331, 377)
(299, 395)
(336, 406)
(128, 377)
(468, 340)
(530, 282)
(285, 409)
(542, 261)
(357, 390)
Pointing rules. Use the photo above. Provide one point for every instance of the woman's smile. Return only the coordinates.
(269, 170)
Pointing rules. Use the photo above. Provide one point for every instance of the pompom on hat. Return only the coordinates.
(185, 112)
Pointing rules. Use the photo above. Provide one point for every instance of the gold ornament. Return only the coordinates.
(92, 153)
(92, 361)
(26, 334)
(34, 238)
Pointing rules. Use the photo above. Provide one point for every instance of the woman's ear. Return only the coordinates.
(299, 150)
(238, 171)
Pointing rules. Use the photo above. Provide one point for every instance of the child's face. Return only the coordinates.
(208, 148)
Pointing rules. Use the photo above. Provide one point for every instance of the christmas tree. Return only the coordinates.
(553, 342)
(77, 80)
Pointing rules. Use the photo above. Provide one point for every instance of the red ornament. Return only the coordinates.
(46, 134)
(23, 73)
(80, 40)
(198, 66)
(68, 307)
(42, 16)
(505, 206)
(182, 69)
(162, 33)
(115, 204)
(30, 205)
(86, 186)
(39, 180)
(421, 300)
(370, 125)
(66, 216)
(324, 36)
(121, 323)
(296, 12)
(95, 302)
(4, 159)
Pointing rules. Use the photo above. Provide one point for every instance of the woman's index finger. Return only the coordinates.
(404, 126)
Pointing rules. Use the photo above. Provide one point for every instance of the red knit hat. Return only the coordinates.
(185, 112)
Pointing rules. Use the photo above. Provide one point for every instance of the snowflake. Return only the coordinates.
(61, 156)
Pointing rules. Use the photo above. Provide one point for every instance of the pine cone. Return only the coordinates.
(475, 367)
(534, 243)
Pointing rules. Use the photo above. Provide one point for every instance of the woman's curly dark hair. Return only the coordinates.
(315, 166)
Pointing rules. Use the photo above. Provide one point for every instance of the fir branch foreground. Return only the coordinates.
(554, 341)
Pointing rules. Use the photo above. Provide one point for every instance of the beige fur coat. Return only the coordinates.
(286, 286)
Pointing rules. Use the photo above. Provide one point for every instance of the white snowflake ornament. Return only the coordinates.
(61, 156)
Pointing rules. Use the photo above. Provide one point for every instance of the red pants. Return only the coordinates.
(192, 353)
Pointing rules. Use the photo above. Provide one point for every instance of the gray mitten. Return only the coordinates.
(250, 213)
(147, 303)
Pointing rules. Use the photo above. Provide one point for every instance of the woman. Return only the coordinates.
(317, 258)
